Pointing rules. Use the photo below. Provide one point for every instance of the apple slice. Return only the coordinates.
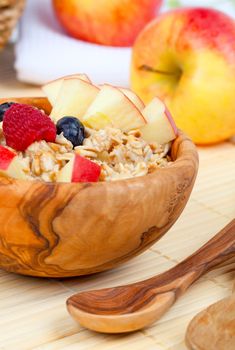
(10, 164)
(112, 107)
(160, 125)
(134, 98)
(52, 88)
(79, 169)
(74, 98)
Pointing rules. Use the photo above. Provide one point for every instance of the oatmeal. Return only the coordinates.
(43, 160)
(123, 155)
(120, 155)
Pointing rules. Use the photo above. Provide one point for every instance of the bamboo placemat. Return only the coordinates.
(33, 314)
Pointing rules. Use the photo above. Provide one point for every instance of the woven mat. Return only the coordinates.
(33, 314)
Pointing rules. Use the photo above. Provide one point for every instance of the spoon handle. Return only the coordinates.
(215, 252)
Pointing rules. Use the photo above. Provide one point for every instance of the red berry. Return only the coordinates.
(24, 124)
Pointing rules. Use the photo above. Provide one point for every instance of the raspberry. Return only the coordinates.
(24, 124)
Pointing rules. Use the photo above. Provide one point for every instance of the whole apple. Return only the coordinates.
(187, 58)
(106, 22)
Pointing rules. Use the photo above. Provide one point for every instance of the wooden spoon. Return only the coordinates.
(131, 307)
(213, 328)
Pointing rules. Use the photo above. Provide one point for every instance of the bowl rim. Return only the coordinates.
(182, 151)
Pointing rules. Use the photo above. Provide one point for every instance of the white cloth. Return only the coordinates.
(45, 52)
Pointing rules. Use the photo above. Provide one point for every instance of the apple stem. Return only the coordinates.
(153, 70)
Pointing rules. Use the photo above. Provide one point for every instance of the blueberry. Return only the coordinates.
(3, 108)
(72, 129)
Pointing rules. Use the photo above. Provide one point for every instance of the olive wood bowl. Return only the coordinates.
(72, 229)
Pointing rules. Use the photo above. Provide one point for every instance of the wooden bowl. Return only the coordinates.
(72, 229)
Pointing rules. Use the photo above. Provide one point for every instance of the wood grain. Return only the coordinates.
(213, 328)
(61, 230)
(131, 307)
(39, 102)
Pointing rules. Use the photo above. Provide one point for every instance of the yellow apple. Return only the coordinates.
(106, 22)
(186, 57)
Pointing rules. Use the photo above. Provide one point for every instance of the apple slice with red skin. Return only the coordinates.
(10, 164)
(79, 169)
(160, 126)
(74, 98)
(52, 88)
(112, 107)
(133, 97)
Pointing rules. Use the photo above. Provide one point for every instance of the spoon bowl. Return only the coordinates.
(214, 327)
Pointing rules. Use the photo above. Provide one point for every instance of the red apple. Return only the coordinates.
(160, 125)
(79, 169)
(10, 164)
(106, 22)
(187, 58)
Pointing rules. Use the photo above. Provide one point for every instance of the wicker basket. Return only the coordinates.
(10, 11)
